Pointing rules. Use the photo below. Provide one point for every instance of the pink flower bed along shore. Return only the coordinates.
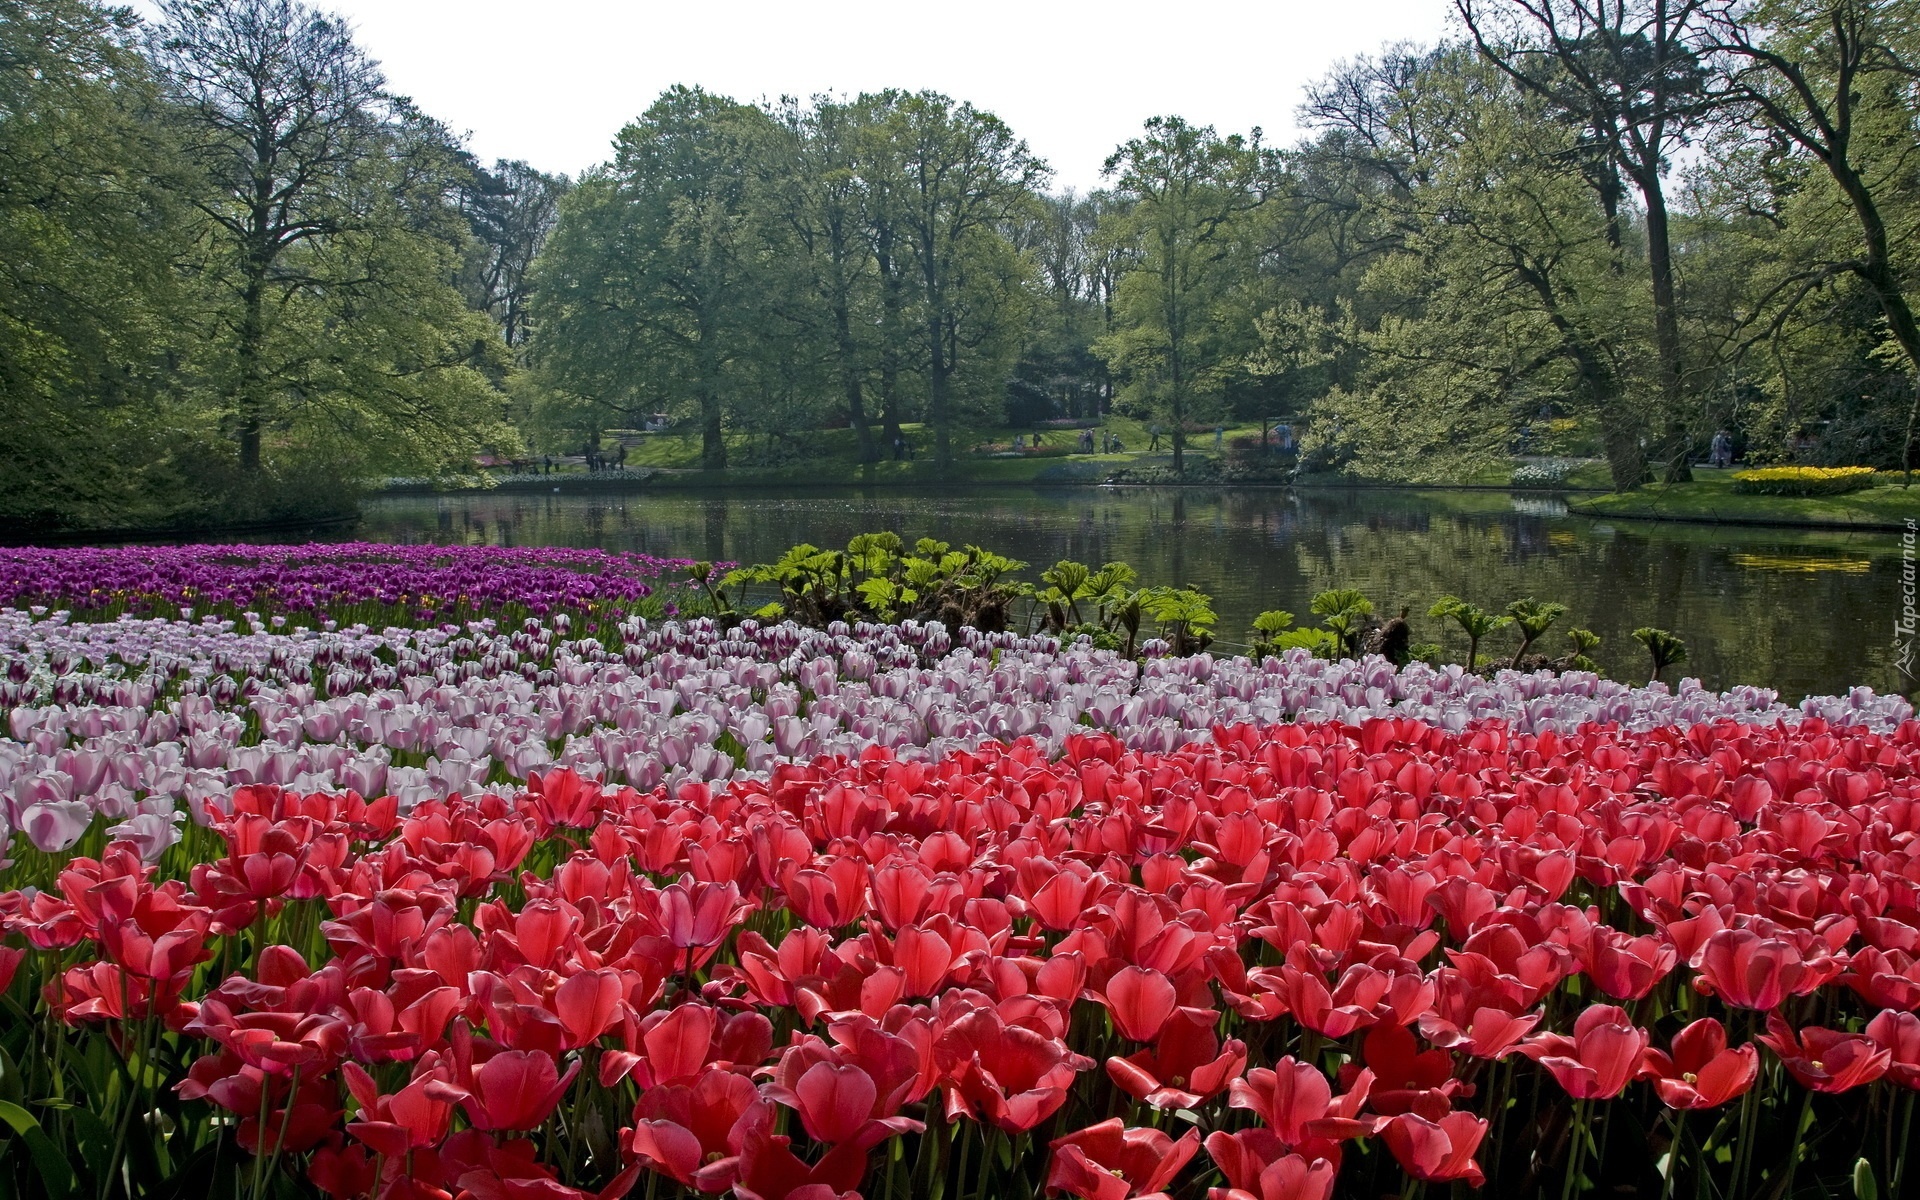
(139, 722)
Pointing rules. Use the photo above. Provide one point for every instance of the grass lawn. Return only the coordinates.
(1711, 498)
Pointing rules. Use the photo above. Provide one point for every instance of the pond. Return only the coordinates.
(1802, 612)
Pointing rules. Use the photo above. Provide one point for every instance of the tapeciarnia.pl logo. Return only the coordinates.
(1904, 625)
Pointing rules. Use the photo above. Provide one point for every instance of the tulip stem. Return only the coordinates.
(960, 1174)
(286, 1123)
(1577, 1142)
(1749, 1117)
(1799, 1142)
(1677, 1123)
(1898, 1167)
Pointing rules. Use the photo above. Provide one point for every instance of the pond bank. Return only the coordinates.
(1713, 501)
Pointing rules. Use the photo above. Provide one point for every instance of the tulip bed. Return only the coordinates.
(346, 581)
(573, 904)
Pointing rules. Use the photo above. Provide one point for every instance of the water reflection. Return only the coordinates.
(1797, 611)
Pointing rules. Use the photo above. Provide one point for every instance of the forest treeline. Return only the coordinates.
(240, 276)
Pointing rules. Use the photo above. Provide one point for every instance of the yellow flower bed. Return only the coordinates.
(1803, 481)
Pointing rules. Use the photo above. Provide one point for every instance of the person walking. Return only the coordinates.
(1219, 436)
(1153, 436)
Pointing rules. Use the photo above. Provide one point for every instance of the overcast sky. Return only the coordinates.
(552, 81)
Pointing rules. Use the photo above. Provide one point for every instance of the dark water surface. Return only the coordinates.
(1797, 611)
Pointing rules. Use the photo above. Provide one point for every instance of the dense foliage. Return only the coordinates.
(238, 270)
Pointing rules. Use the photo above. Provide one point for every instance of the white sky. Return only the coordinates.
(552, 81)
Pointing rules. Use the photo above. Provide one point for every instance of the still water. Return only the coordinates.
(1798, 611)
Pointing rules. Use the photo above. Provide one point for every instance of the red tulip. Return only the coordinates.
(1109, 1161)
(829, 898)
(588, 1004)
(1256, 1170)
(683, 1129)
(770, 1170)
(270, 1111)
(485, 1171)
(1625, 967)
(1747, 970)
(673, 1047)
(1296, 1102)
(514, 1089)
(1599, 1060)
(836, 1104)
(1437, 1151)
(341, 1170)
(900, 1067)
(1826, 1060)
(1473, 1020)
(1405, 1078)
(700, 914)
(1006, 1074)
(1898, 1033)
(410, 1119)
(1140, 1002)
(1059, 902)
(565, 798)
(924, 958)
(1885, 978)
(1701, 1071)
(1185, 1067)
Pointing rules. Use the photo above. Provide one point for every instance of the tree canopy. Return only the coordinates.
(243, 275)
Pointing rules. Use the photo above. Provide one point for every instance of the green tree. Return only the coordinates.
(1626, 74)
(1832, 81)
(88, 290)
(819, 194)
(963, 177)
(1186, 190)
(512, 208)
(649, 288)
(330, 320)
(1498, 297)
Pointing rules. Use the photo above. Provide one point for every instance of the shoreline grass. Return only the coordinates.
(1710, 499)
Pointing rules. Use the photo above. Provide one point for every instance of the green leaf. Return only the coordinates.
(55, 1174)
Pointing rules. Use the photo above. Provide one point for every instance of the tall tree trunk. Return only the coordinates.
(940, 371)
(1177, 406)
(1620, 432)
(1675, 441)
(713, 444)
(1877, 272)
(250, 349)
(890, 306)
(850, 380)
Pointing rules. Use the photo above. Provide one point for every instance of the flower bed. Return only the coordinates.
(665, 908)
(1288, 962)
(1803, 481)
(349, 581)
